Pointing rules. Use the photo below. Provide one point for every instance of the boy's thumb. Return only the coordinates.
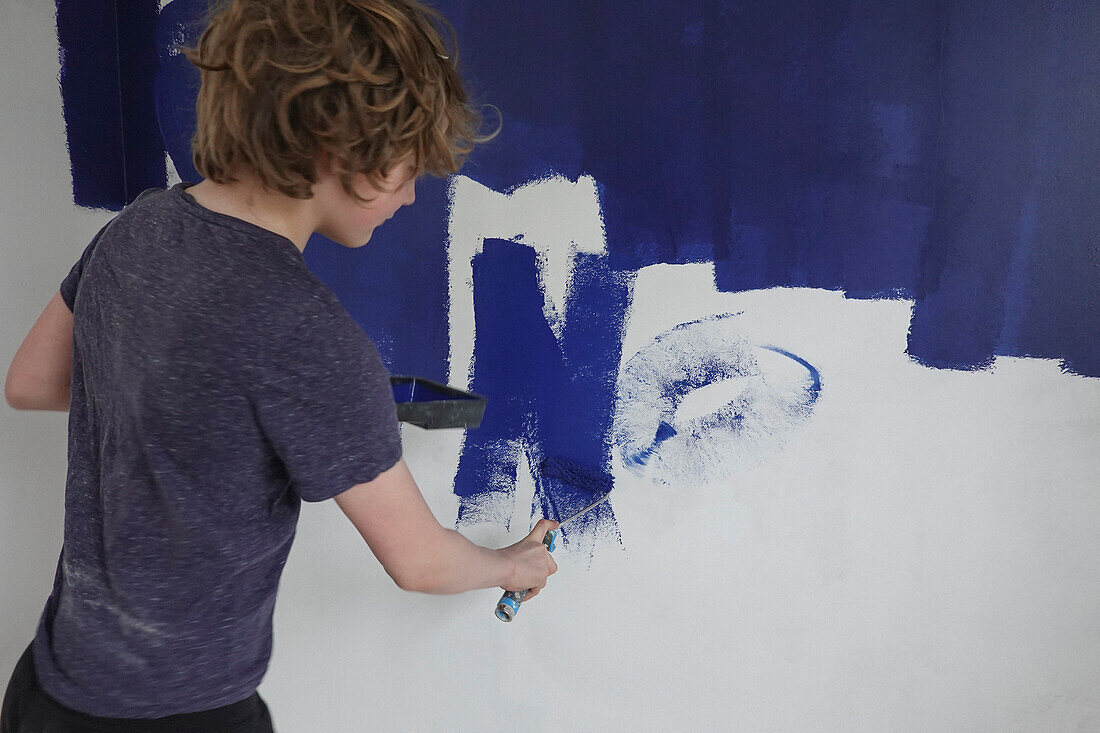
(541, 528)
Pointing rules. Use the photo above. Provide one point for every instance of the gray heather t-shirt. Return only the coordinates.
(216, 384)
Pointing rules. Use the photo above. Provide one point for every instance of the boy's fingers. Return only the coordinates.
(537, 533)
(531, 592)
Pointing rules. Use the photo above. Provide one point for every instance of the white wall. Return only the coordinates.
(921, 554)
(40, 235)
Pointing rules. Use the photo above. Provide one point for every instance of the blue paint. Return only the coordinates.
(814, 390)
(732, 436)
(840, 145)
(664, 432)
(576, 475)
(547, 398)
(396, 286)
(884, 150)
(1052, 306)
(108, 59)
(946, 152)
(176, 83)
(506, 303)
(985, 167)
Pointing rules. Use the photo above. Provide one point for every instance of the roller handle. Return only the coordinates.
(508, 606)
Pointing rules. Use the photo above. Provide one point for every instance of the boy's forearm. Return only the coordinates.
(460, 565)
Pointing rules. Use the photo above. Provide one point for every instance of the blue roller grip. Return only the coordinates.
(508, 606)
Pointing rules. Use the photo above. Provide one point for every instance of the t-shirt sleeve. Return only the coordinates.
(323, 399)
(71, 282)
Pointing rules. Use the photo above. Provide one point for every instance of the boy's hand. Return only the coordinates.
(532, 563)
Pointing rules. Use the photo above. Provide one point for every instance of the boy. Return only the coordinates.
(216, 383)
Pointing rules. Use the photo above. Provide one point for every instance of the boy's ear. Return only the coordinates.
(326, 165)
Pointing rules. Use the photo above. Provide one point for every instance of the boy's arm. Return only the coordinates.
(40, 375)
(421, 555)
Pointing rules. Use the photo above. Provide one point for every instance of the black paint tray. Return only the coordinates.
(432, 405)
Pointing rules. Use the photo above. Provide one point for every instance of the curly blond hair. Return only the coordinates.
(369, 82)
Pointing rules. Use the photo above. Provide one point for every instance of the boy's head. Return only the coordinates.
(359, 85)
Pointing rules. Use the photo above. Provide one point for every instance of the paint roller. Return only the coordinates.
(576, 475)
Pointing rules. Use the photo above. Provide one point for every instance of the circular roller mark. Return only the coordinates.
(701, 402)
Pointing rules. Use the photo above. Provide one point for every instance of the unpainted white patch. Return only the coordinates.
(173, 175)
(707, 398)
(704, 380)
(554, 216)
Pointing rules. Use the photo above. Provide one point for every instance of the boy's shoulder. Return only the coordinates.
(140, 209)
(234, 262)
(144, 199)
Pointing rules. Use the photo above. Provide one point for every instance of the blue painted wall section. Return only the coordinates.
(944, 152)
(1012, 263)
(550, 399)
(108, 60)
(176, 84)
(941, 150)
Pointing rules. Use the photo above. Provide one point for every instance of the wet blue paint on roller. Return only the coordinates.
(108, 59)
(576, 475)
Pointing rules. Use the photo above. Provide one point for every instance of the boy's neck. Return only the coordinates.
(247, 199)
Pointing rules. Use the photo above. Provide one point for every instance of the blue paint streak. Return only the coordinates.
(984, 170)
(814, 390)
(108, 59)
(176, 83)
(664, 432)
(552, 399)
(1054, 308)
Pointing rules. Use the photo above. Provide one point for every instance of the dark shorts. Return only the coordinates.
(28, 708)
